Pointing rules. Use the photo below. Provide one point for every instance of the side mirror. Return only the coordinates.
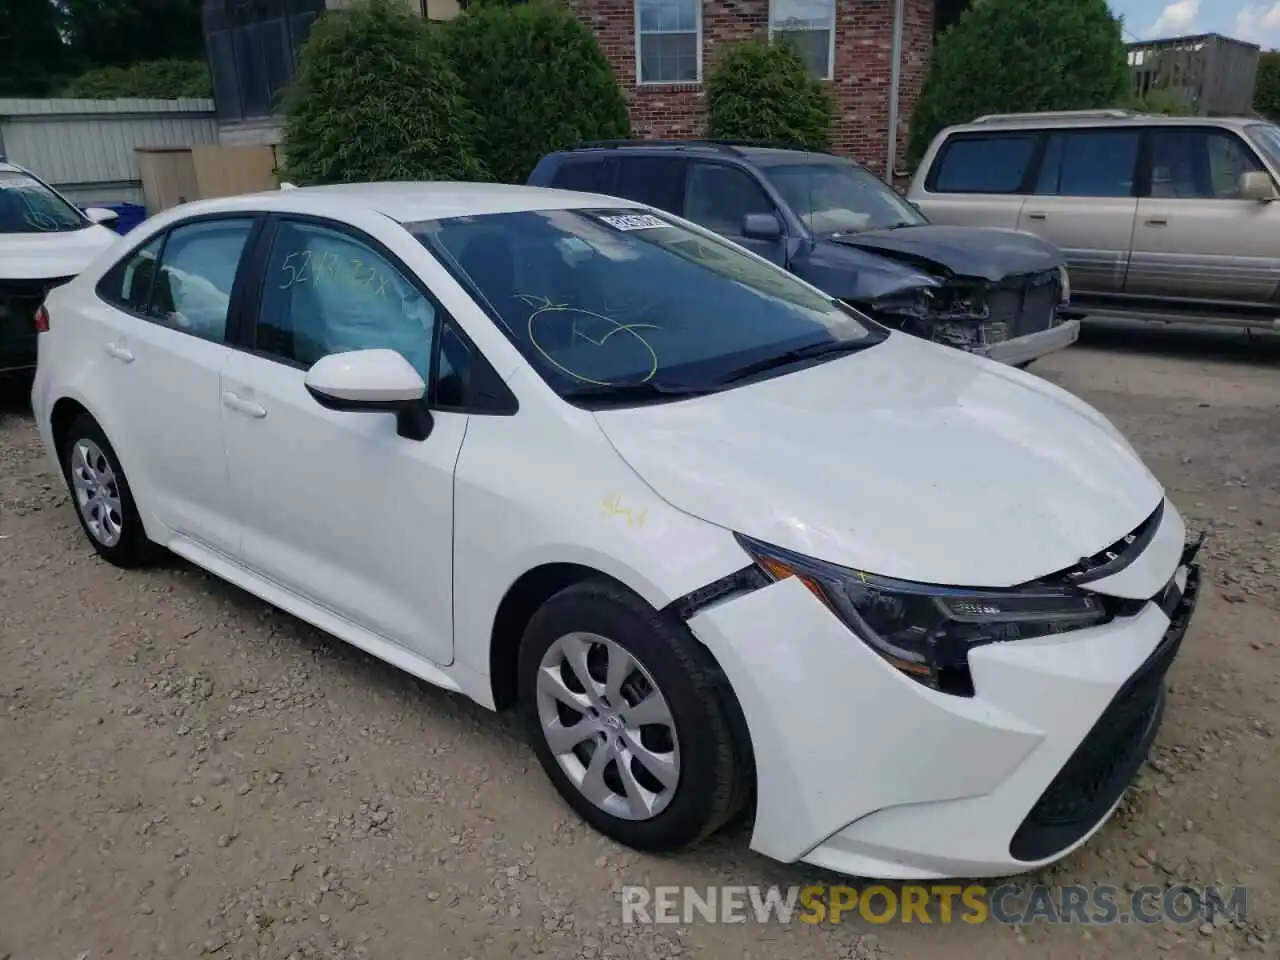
(372, 381)
(101, 215)
(1257, 185)
(761, 226)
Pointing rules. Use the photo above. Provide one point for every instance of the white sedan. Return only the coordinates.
(729, 545)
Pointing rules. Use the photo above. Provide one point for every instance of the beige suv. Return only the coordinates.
(1159, 217)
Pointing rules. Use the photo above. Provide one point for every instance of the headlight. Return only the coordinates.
(1066, 284)
(926, 631)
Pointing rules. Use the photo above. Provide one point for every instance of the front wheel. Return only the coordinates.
(626, 719)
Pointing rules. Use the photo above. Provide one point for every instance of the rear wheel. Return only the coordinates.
(626, 719)
(102, 498)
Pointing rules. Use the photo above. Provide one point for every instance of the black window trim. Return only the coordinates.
(1142, 183)
(488, 393)
(236, 304)
(780, 209)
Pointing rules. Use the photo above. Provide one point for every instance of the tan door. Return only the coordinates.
(1085, 202)
(1195, 238)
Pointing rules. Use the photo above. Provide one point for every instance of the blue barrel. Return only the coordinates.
(128, 215)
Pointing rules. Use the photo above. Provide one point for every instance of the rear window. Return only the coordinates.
(986, 164)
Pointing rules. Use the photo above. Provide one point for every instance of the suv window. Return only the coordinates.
(585, 174)
(28, 206)
(127, 285)
(197, 271)
(984, 164)
(326, 291)
(1191, 163)
(656, 181)
(1089, 163)
(719, 197)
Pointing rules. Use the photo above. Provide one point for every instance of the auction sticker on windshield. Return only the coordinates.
(634, 221)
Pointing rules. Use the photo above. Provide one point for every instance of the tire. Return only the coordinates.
(101, 496)
(609, 624)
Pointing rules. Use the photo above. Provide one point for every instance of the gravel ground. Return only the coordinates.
(185, 770)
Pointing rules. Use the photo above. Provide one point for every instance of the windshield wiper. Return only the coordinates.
(798, 355)
(645, 390)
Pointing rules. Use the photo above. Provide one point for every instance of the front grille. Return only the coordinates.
(1022, 305)
(1105, 762)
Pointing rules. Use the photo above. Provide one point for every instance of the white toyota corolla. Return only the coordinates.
(728, 544)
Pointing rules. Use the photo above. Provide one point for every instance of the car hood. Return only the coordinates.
(909, 460)
(45, 256)
(984, 252)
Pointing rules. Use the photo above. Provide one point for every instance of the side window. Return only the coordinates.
(1089, 164)
(587, 175)
(453, 363)
(327, 292)
(996, 164)
(197, 271)
(1229, 159)
(719, 197)
(657, 181)
(127, 285)
(1192, 163)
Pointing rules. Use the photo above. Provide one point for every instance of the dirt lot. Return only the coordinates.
(184, 770)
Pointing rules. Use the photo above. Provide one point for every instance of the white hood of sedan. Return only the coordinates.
(43, 256)
(909, 460)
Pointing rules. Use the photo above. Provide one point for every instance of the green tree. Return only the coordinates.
(375, 98)
(762, 91)
(33, 56)
(536, 78)
(1007, 56)
(162, 79)
(121, 32)
(1266, 91)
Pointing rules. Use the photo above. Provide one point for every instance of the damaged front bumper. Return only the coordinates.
(1014, 321)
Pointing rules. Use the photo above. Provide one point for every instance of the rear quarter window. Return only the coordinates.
(983, 164)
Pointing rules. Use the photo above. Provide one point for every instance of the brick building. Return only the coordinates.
(663, 50)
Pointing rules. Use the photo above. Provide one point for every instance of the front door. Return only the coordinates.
(719, 196)
(1085, 201)
(1195, 237)
(338, 507)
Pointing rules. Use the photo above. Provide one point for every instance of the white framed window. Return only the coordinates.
(668, 41)
(810, 25)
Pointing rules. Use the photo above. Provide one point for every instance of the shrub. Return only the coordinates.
(161, 79)
(536, 78)
(1266, 91)
(375, 98)
(1020, 55)
(763, 92)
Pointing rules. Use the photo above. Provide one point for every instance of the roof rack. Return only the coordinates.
(728, 146)
(1106, 114)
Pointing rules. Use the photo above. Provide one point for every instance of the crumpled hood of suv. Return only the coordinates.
(909, 460)
(985, 252)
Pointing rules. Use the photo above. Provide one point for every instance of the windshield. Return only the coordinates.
(28, 206)
(1266, 137)
(621, 298)
(833, 197)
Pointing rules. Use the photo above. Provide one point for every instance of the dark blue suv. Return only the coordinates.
(833, 223)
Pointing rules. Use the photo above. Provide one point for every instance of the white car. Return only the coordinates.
(728, 544)
(44, 241)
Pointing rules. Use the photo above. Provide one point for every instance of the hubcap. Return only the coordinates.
(608, 726)
(97, 493)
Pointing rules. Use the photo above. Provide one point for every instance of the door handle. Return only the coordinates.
(1157, 221)
(119, 353)
(1037, 216)
(241, 405)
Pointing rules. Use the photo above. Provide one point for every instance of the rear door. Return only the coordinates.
(1085, 200)
(979, 179)
(1195, 238)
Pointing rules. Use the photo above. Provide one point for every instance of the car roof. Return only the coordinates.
(760, 153)
(11, 168)
(1102, 119)
(408, 201)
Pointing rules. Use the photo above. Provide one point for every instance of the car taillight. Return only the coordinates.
(42, 320)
